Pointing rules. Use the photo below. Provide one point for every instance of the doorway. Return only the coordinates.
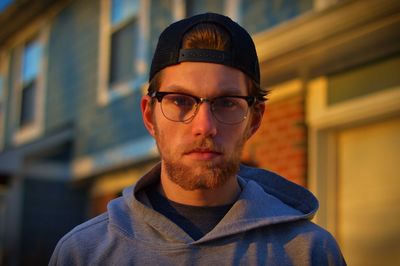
(368, 198)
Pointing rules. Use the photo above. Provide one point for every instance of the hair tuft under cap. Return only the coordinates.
(242, 54)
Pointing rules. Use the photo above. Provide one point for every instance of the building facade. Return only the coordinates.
(71, 137)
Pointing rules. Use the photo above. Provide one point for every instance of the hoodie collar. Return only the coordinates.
(266, 199)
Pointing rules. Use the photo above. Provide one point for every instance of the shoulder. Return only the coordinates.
(318, 243)
(88, 228)
(81, 239)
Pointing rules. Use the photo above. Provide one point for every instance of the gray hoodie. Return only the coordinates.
(268, 225)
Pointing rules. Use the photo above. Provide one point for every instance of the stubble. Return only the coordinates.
(201, 174)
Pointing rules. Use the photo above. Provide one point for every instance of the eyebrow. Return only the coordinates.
(175, 88)
(180, 89)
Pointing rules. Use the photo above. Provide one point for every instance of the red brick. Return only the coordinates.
(279, 145)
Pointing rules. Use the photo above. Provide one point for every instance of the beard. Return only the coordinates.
(199, 174)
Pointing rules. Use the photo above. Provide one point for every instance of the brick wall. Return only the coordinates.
(280, 143)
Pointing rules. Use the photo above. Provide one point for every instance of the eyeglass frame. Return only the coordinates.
(159, 95)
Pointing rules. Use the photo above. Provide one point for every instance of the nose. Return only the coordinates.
(204, 124)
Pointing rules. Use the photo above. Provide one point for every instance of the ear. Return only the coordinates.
(256, 118)
(147, 114)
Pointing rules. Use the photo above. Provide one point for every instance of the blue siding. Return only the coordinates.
(113, 125)
(160, 17)
(72, 68)
(101, 128)
(73, 81)
(194, 7)
(260, 15)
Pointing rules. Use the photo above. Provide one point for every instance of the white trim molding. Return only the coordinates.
(115, 181)
(316, 28)
(345, 35)
(123, 155)
(233, 9)
(322, 116)
(178, 9)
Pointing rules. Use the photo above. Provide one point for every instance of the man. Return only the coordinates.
(199, 206)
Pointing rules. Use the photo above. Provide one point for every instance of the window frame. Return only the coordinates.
(108, 93)
(35, 129)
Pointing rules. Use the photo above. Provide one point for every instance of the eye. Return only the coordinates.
(180, 100)
(227, 103)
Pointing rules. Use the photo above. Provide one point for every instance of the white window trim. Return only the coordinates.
(36, 129)
(4, 62)
(324, 121)
(233, 10)
(106, 94)
(126, 154)
(178, 9)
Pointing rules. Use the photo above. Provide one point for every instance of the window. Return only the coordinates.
(32, 55)
(29, 88)
(123, 47)
(123, 40)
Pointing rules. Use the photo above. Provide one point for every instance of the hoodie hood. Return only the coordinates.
(289, 193)
(266, 199)
(268, 225)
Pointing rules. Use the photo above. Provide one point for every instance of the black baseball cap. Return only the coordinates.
(242, 54)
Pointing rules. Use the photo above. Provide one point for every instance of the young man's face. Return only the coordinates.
(203, 153)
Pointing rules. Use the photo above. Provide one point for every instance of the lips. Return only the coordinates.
(203, 154)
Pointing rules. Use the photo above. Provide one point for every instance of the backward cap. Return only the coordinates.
(242, 54)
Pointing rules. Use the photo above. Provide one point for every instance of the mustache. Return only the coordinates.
(203, 145)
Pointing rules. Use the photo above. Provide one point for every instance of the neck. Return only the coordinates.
(223, 195)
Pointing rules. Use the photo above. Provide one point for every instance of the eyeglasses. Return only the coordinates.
(179, 107)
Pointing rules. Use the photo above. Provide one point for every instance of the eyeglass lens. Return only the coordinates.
(182, 108)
